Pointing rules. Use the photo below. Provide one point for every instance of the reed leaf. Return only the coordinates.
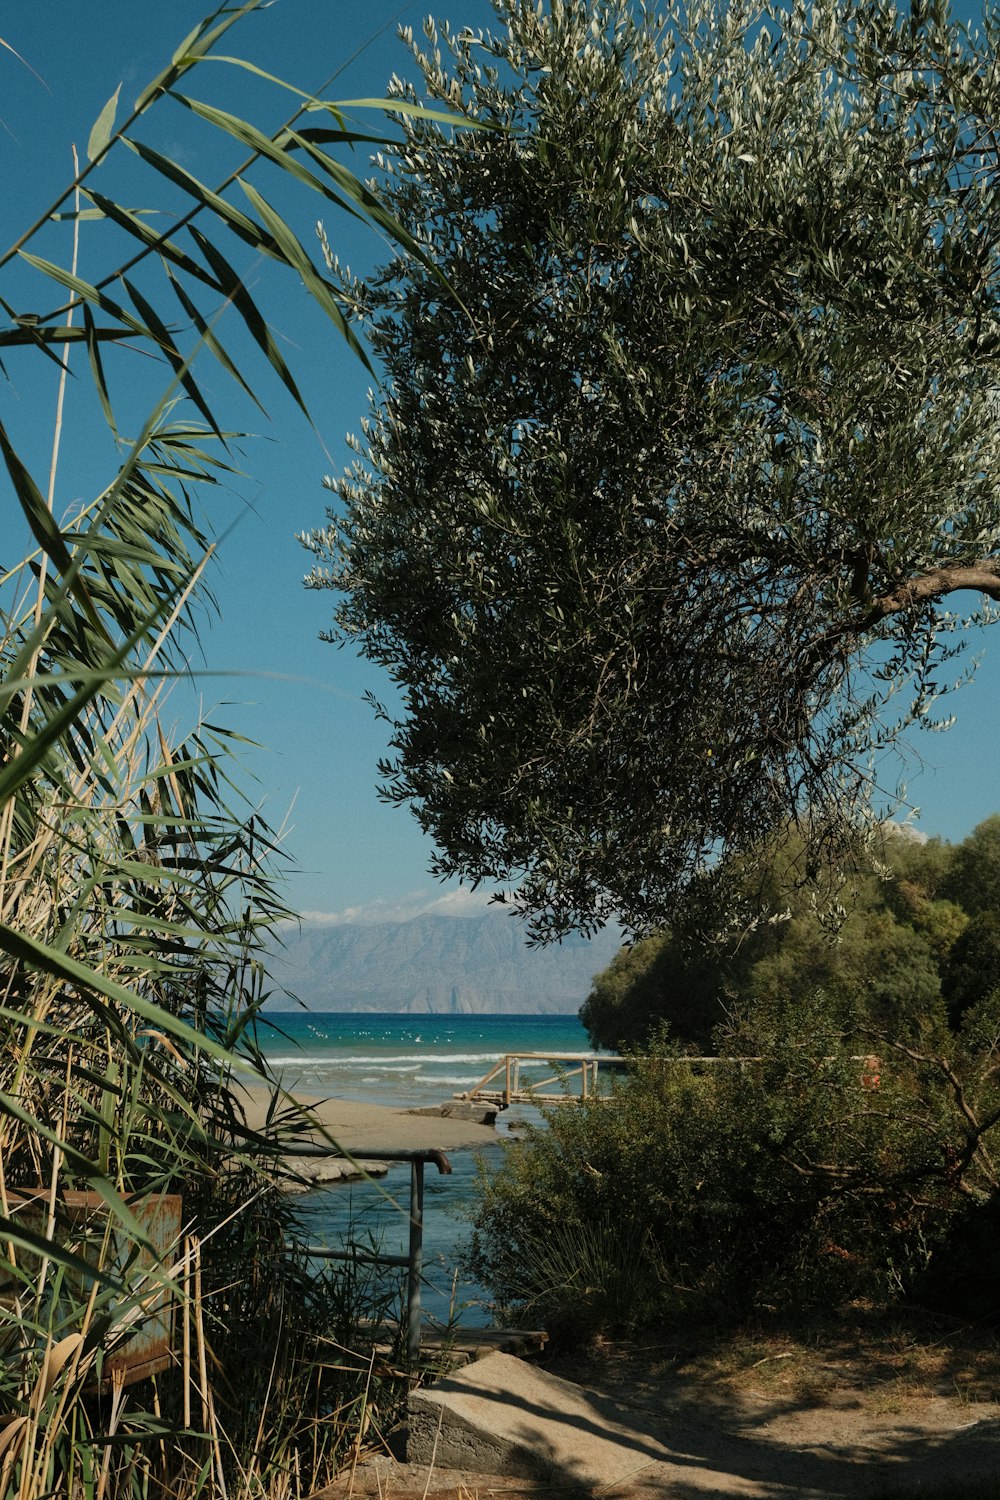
(138, 888)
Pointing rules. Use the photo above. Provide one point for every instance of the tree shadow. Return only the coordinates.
(586, 1442)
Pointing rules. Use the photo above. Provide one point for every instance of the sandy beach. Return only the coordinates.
(359, 1128)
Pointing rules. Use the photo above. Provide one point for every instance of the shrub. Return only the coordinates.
(798, 1178)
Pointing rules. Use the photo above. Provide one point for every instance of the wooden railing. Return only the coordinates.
(577, 1077)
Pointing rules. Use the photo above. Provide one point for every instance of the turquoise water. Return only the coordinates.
(405, 1061)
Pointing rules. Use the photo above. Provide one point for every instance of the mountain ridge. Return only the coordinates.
(434, 964)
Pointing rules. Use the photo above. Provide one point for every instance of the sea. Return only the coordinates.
(406, 1061)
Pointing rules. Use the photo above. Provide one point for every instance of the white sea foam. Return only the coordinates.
(312, 1056)
(444, 1079)
(343, 1063)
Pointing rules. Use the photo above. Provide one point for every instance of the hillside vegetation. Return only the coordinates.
(915, 943)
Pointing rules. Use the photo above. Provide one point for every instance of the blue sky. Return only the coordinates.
(265, 672)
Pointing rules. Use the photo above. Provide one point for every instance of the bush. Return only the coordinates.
(795, 1180)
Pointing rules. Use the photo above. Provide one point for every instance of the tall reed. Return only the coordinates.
(138, 890)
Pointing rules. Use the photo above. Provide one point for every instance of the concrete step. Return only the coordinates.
(460, 1346)
(445, 1349)
(560, 1441)
(502, 1416)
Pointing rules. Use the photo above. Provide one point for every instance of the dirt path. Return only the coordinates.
(763, 1449)
(866, 1412)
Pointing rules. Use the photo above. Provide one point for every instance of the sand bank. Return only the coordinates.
(358, 1128)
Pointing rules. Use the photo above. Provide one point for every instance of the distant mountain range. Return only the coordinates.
(437, 964)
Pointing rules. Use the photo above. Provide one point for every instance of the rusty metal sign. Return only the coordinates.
(85, 1225)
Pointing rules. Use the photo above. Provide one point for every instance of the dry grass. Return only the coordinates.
(881, 1362)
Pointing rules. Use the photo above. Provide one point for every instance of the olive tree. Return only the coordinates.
(666, 527)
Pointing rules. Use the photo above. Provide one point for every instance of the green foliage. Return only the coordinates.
(882, 964)
(875, 969)
(808, 1174)
(655, 981)
(660, 551)
(973, 969)
(869, 1192)
(974, 876)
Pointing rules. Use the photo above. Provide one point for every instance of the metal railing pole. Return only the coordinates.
(415, 1261)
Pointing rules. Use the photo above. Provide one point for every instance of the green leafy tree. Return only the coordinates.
(878, 972)
(974, 876)
(654, 983)
(879, 965)
(875, 971)
(679, 532)
(972, 972)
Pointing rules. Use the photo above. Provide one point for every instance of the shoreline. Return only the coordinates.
(357, 1126)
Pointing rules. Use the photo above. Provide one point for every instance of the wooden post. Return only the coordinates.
(416, 1258)
(506, 1085)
